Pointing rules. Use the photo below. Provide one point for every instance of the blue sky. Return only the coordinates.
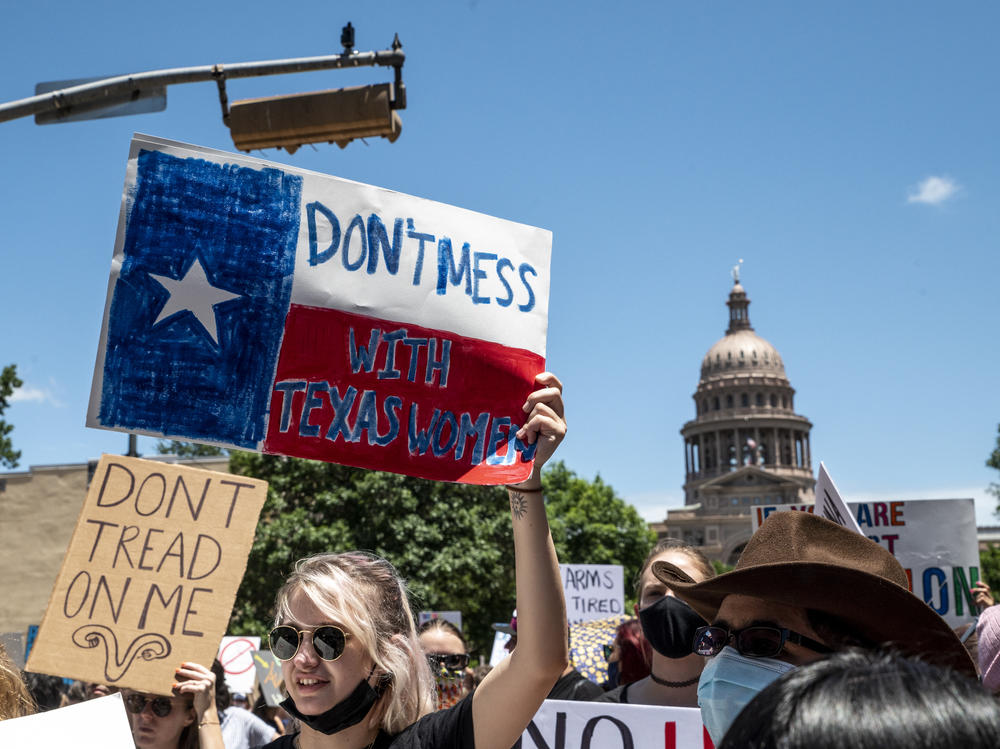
(846, 151)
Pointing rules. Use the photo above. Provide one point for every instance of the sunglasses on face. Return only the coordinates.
(447, 661)
(328, 641)
(161, 706)
(755, 642)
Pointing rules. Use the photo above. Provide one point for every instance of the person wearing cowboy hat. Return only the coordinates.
(803, 588)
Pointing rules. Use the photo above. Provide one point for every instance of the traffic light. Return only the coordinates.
(336, 116)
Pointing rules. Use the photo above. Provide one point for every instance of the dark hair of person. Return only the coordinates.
(634, 652)
(223, 698)
(674, 544)
(445, 626)
(46, 691)
(868, 700)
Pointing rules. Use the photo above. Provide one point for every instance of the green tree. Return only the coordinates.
(187, 449)
(451, 542)
(592, 525)
(9, 382)
(989, 568)
(994, 462)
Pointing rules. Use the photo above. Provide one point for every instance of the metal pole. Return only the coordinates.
(99, 93)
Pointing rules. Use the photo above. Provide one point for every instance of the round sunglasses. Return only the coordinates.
(328, 641)
(161, 706)
(447, 661)
(755, 642)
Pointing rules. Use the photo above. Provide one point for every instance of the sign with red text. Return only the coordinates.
(563, 724)
(150, 575)
(934, 539)
(593, 591)
(259, 306)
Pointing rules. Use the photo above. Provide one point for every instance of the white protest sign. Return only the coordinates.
(593, 591)
(563, 724)
(935, 541)
(829, 503)
(95, 724)
(499, 650)
(263, 307)
(236, 657)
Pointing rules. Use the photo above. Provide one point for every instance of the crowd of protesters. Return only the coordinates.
(812, 640)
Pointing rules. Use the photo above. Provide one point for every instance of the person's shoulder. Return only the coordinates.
(445, 729)
(615, 695)
(282, 742)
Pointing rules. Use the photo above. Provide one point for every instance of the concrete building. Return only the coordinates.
(38, 512)
(746, 445)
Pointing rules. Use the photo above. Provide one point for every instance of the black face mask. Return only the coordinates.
(348, 712)
(669, 625)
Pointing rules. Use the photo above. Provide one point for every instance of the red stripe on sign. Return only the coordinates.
(670, 735)
(397, 397)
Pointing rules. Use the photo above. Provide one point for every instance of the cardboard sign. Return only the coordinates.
(593, 591)
(455, 617)
(94, 724)
(150, 575)
(258, 306)
(829, 503)
(935, 540)
(236, 657)
(269, 677)
(563, 724)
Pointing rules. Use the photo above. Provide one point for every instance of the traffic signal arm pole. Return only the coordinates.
(113, 90)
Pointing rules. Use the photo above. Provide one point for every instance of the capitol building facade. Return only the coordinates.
(746, 445)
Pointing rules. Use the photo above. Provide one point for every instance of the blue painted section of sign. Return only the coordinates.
(172, 376)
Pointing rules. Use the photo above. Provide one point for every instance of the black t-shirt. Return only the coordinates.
(575, 686)
(445, 729)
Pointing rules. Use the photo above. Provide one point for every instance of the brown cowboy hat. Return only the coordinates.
(804, 560)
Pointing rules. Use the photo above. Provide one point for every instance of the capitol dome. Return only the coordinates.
(746, 445)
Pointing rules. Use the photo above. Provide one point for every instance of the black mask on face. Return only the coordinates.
(348, 712)
(669, 625)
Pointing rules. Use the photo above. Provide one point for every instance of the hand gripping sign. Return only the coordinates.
(257, 306)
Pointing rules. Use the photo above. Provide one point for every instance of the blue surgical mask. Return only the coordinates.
(728, 683)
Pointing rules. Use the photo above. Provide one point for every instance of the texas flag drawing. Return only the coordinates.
(257, 306)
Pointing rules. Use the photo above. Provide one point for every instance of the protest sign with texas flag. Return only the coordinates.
(263, 307)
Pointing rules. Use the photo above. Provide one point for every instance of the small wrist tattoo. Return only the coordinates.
(518, 504)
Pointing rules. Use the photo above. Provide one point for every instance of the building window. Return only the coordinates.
(704, 406)
(729, 401)
(715, 403)
(774, 401)
(760, 399)
(744, 400)
(784, 401)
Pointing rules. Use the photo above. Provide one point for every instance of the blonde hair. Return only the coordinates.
(365, 594)
(15, 700)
